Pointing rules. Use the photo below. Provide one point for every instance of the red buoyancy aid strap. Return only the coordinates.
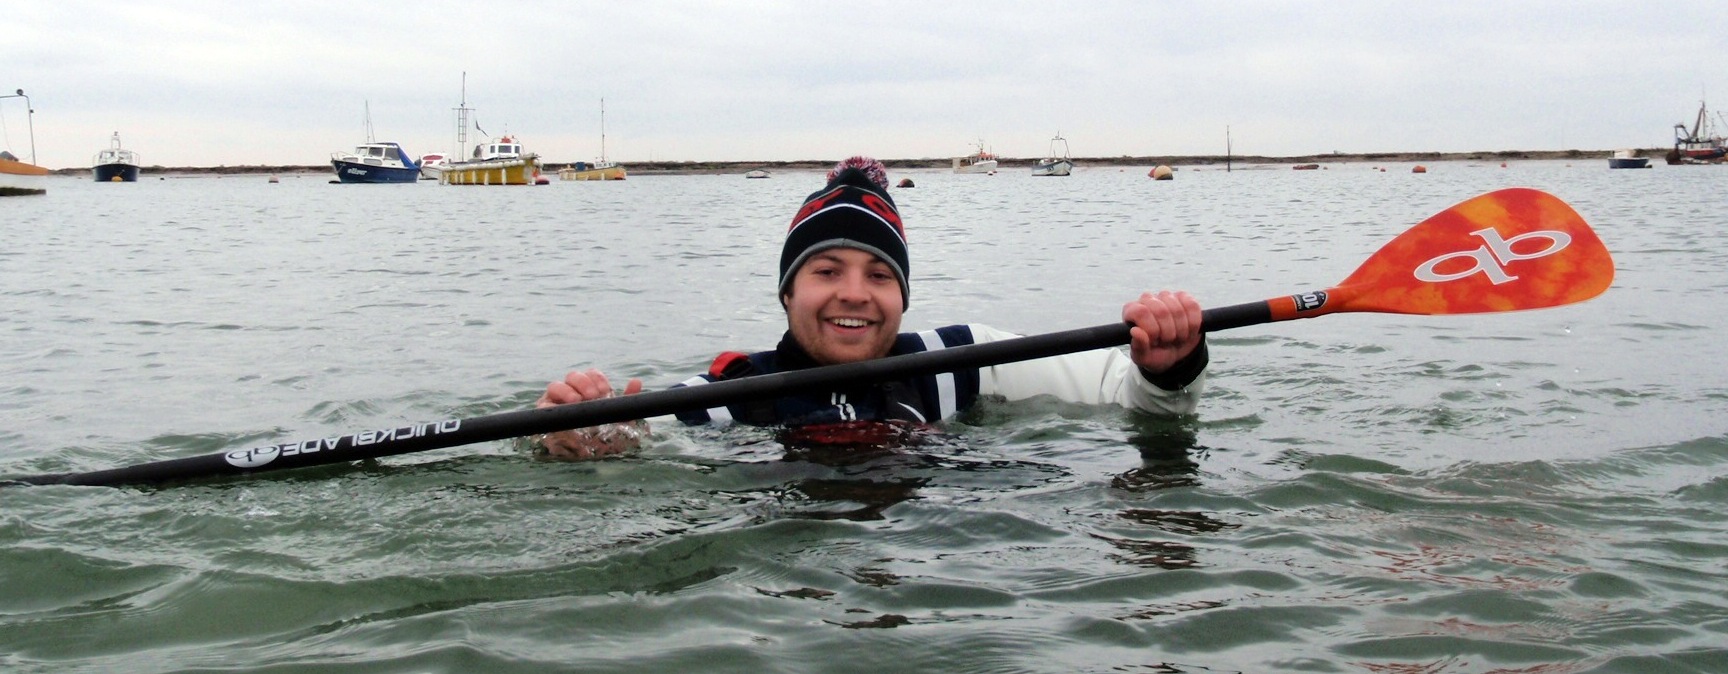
(729, 365)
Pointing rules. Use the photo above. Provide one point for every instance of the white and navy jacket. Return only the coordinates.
(1104, 376)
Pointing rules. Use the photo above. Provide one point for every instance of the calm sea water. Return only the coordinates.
(1532, 492)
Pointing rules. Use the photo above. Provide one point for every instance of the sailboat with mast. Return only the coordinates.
(600, 170)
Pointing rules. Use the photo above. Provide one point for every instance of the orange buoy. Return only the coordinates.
(1419, 169)
(1161, 172)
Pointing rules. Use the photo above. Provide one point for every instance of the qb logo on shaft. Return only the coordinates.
(1309, 301)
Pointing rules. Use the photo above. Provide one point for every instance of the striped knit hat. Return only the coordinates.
(853, 211)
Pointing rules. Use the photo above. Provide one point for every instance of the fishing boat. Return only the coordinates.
(498, 162)
(432, 165)
(755, 174)
(115, 164)
(18, 177)
(977, 162)
(600, 170)
(1054, 164)
(1628, 159)
(1699, 144)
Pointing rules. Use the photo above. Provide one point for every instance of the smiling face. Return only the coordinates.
(844, 306)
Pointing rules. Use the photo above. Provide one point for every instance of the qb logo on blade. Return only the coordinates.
(1493, 258)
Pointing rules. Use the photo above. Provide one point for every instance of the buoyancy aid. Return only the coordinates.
(918, 400)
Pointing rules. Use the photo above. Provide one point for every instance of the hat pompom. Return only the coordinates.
(854, 210)
(871, 168)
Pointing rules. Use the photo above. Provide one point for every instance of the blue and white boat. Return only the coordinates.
(1054, 164)
(1628, 159)
(115, 164)
(375, 163)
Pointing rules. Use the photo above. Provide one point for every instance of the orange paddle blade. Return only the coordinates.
(1503, 251)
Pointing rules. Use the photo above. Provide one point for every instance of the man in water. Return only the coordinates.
(843, 282)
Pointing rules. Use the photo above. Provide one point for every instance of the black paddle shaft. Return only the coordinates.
(437, 435)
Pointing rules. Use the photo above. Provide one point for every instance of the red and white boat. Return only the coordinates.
(1699, 144)
(981, 161)
(432, 165)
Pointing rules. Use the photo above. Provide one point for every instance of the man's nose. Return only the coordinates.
(853, 287)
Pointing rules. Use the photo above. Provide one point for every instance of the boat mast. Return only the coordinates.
(462, 111)
(369, 139)
(1226, 148)
(602, 130)
(30, 117)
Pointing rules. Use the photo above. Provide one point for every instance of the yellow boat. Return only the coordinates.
(596, 171)
(18, 177)
(500, 162)
(600, 170)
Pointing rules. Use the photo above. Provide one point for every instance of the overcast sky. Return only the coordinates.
(286, 82)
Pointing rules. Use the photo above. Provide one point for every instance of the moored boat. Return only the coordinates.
(1699, 144)
(1054, 164)
(375, 163)
(115, 164)
(600, 170)
(755, 174)
(500, 162)
(1628, 159)
(432, 165)
(978, 162)
(18, 177)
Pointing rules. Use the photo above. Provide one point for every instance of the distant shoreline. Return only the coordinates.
(725, 167)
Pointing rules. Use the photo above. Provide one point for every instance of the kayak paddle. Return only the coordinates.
(1507, 250)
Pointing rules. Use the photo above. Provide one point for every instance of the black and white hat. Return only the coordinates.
(853, 211)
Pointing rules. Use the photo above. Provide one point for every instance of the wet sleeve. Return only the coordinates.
(1099, 377)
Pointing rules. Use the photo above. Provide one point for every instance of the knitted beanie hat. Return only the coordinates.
(853, 211)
